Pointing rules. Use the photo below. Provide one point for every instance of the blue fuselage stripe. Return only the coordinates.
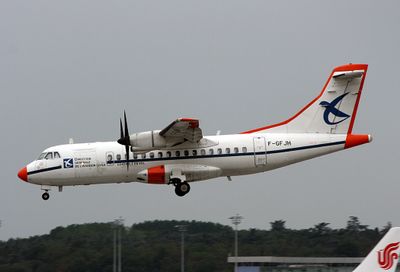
(45, 170)
(231, 154)
(206, 156)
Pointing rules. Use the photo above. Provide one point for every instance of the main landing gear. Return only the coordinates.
(181, 188)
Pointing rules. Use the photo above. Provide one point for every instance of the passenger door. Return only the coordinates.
(260, 151)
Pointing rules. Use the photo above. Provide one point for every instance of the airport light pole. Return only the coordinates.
(236, 220)
(182, 229)
(115, 247)
(118, 224)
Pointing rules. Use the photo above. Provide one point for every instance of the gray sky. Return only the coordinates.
(70, 68)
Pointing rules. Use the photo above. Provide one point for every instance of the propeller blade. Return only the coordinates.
(125, 138)
(127, 157)
(126, 127)
(120, 129)
(121, 140)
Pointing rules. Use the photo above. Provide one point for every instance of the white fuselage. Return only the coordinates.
(224, 155)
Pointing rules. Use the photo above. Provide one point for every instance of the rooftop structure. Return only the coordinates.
(272, 260)
(295, 264)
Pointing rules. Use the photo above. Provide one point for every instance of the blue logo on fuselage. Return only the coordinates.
(330, 109)
(69, 163)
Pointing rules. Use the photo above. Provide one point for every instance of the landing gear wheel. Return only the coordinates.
(182, 188)
(178, 192)
(45, 196)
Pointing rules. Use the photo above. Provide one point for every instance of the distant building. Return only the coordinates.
(295, 264)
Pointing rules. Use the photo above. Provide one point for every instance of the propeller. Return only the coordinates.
(125, 139)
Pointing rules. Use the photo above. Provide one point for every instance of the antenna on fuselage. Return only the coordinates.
(71, 141)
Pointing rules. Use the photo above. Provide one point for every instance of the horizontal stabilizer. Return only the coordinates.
(348, 75)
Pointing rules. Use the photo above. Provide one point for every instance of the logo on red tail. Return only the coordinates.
(387, 256)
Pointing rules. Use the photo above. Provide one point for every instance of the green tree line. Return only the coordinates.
(155, 246)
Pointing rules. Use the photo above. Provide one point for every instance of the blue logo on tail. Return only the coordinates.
(330, 109)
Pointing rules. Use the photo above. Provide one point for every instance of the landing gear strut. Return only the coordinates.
(45, 195)
(181, 188)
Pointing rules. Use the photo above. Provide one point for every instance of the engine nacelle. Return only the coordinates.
(148, 140)
(161, 174)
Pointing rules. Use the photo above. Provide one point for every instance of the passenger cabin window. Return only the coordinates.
(203, 152)
(194, 152)
(135, 156)
(109, 158)
(178, 153)
(49, 156)
(160, 154)
(186, 153)
(118, 157)
(169, 154)
(219, 151)
(244, 149)
(236, 150)
(57, 155)
(152, 155)
(227, 150)
(211, 151)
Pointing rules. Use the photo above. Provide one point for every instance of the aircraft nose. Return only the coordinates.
(23, 174)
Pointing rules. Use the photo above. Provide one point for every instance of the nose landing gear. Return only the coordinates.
(45, 195)
(46, 189)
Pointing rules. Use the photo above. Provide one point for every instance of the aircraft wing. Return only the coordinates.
(183, 129)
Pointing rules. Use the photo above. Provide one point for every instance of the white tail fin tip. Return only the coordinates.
(385, 255)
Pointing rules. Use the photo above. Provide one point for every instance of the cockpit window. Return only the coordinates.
(49, 156)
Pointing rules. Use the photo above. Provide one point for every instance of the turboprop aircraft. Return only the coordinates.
(180, 154)
(384, 256)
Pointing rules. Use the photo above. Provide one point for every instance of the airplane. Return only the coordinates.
(384, 256)
(180, 154)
